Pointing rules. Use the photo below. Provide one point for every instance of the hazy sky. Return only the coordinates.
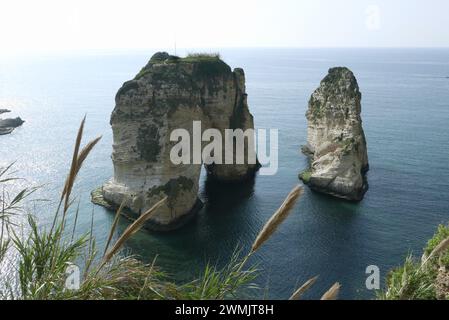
(48, 25)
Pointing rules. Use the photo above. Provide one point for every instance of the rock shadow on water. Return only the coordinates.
(224, 197)
(329, 204)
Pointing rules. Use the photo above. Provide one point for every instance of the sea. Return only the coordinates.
(405, 112)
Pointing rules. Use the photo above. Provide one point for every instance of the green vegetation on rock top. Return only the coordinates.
(191, 57)
(334, 74)
(206, 65)
(333, 82)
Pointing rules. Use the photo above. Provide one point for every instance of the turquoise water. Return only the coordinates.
(406, 116)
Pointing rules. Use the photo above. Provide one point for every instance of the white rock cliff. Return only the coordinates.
(170, 93)
(336, 142)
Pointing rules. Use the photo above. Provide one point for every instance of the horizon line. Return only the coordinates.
(212, 48)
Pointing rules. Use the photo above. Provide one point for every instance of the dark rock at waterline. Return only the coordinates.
(16, 122)
(8, 125)
(4, 111)
(4, 131)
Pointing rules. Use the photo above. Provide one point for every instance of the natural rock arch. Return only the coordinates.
(170, 93)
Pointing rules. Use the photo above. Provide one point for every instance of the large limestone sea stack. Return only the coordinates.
(336, 142)
(171, 93)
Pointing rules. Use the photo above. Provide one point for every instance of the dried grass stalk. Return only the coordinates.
(71, 177)
(439, 249)
(305, 287)
(85, 152)
(75, 166)
(114, 226)
(278, 217)
(132, 229)
(332, 293)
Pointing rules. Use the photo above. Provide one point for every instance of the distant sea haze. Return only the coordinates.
(405, 112)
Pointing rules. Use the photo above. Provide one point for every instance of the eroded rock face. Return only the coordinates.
(170, 93)
(8, 125)
(336, 142)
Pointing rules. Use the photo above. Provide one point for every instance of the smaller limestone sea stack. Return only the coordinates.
(336, 142)
(8, 125)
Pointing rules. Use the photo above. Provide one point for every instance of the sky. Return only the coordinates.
(68, 25)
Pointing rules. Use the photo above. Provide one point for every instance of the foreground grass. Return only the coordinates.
(422, 279)
(43, 257)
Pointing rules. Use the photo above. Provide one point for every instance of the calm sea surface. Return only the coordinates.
(406, 120)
